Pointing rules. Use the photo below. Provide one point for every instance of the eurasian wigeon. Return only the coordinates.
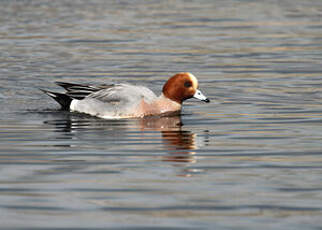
(125, 100)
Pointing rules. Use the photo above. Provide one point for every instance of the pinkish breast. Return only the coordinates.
(159, 106)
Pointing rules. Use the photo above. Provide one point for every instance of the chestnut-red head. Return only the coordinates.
(183, 86)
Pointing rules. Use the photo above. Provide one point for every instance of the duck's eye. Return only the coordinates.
(187, 84)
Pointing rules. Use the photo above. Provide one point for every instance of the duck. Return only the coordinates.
(116, 101)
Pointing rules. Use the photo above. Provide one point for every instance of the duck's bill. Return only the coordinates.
(199, 95)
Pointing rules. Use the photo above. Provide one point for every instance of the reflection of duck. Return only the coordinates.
(181, 143)
(177, 142)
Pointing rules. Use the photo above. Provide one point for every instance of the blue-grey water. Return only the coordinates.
(250, 159)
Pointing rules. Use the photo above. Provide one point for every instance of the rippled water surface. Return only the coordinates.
(250, 159)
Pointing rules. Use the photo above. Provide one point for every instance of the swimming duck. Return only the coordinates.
(125, 100)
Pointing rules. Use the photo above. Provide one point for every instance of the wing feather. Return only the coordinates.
(80, 91)
(123, 93)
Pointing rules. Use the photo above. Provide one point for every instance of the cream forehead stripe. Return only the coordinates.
(194, 80)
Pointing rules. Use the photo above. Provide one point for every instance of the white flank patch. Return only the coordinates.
(73, 105)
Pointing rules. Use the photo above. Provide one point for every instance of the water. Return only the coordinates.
(250, 159)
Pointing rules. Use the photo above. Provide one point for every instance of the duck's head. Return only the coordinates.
(183, 86)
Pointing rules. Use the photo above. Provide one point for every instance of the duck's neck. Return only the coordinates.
(165, 105)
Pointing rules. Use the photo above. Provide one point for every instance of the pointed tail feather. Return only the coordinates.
(63, 99)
